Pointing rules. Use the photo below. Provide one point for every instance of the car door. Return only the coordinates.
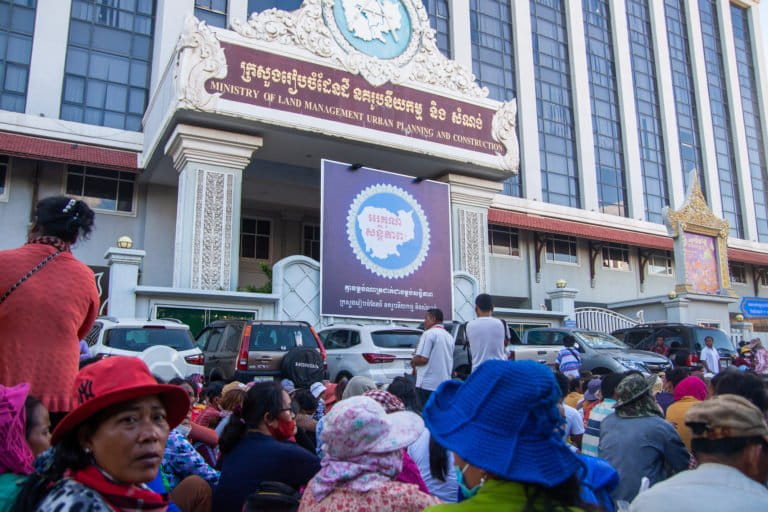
(209, 341)
(229, 349)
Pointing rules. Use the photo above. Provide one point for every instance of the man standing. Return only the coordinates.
(637, 441)
(568, 360)
(730, 442)
(659, 347)
(433, 359)
(710, 358)
(485, 334)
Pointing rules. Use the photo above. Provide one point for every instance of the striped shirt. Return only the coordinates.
(591, 439)
(568, 360)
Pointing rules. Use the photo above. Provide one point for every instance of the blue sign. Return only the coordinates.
(378, 28)
(754, 306)
(571, 324)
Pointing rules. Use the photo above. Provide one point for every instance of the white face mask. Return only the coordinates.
(184, 430)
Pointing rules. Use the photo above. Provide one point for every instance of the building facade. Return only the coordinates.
(616, 103)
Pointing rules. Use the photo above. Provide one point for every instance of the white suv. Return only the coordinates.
(166, 346)
(380, 351)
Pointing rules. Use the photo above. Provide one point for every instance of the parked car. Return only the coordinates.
(378, 351)
(685, 341)
(248, 350)
(166, 346)
(600, 353)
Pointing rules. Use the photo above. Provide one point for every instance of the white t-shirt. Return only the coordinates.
(486, 340)
(711, 356)
(574, 422)
(437, 346)
(419, 452)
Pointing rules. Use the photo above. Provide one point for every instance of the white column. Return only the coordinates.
(733, 86)
(706, 132)
(677, 309)
(210, 164)
(667, 109)
(238, 10)
(169, 23)
(124, 267)
(633, 167)
(49, 52)
(461, 36)
(527, 114)
(564, 300)
(582, 111)
(761, 69)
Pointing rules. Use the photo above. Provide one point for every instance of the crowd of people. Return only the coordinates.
(515, 435)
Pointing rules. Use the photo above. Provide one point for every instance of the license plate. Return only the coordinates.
(265, 378)
(724, 363)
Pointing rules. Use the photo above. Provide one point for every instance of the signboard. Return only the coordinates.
(283, 83)
(701, 263)
(386, 245)
(754, 307)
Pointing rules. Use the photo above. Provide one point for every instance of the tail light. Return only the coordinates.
(379, 358)
(319, 343)
(692, 360)
(195, 359)
(242, 356)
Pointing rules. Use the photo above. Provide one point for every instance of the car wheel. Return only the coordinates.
(215, 375)
(343, 375)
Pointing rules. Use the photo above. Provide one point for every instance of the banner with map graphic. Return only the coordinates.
(386, 244)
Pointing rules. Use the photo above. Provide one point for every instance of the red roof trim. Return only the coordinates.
(578, 229)
(68, 152)
(743, 256)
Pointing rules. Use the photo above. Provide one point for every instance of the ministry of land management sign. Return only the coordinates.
(386, 244)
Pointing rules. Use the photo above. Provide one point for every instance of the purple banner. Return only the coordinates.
(282, 83)
(386, 245)
(701, 263)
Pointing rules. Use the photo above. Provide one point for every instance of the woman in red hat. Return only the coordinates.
(111, 444)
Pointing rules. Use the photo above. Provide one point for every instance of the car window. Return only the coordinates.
(395, 339)
(281, 337)
(333, 340)
(598, 340)
(232, 338)
(674, 337)
(722, 341)
(93, 335)
(210, 339)
(544, 338)
(354, 338)
(138, 339)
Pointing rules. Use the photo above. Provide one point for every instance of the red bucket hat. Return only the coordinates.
(114, 380)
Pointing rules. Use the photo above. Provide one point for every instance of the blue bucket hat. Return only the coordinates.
(505, 419)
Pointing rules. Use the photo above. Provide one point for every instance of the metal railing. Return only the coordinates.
(602, 320)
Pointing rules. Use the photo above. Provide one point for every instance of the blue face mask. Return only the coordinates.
(466, 492)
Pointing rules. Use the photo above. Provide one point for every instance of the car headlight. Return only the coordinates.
(631, 364)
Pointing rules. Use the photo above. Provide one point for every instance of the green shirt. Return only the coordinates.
(10, 485)
(492, 494)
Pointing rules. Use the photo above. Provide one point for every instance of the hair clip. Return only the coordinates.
(71, 204)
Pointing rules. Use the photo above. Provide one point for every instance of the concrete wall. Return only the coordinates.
(157, 234)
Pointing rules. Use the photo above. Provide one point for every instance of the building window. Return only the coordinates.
(606, 123)
(109, 57)
(562, 249)
(559, 171)
(263, 5)
(738, 272)
(4, 177)
(764, 278)
(721, 116)
(616, 256)
(682, 85)
(102, 189)
(310, 245)
(648, 113)
(503, 240)
(213, 12)
(440, 20)
(660, 263)
(255, 236)
(17, 25)
(745, 62)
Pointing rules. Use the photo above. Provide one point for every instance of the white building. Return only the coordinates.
(616, 101)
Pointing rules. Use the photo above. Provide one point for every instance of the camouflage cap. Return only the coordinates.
(630, 389)
(726, 416)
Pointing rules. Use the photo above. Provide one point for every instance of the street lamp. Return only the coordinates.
(124, 242)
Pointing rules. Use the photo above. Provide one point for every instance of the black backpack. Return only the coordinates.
(303, 365)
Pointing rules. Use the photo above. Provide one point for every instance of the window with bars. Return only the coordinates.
(660, 263)
(440, 20)
(213, 12)
(646, 92)
(310, 245)
(255, 238)
(102, 189)
(503, 240)
(738, 272)
(616, 256)
(562, 249)
(750, 104)
(109, 57)
(17, 26)
(557, 139)
(721, 116)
